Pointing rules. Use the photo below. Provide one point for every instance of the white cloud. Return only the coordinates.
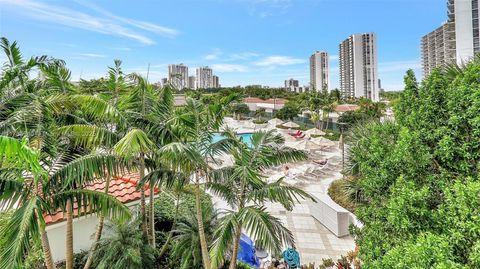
(279, 60)
(148, 26)
(399, 66)
(226, 68)
(122, 48)
(213, 55)
(268, 8)
(242, 56)
(108, 24)
(93, 55)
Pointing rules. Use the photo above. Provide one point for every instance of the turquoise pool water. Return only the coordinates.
(246, 137)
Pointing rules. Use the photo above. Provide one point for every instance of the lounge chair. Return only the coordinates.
(322, 162)
(300, 137)
(296, 134)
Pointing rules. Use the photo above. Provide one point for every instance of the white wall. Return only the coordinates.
(83, 229)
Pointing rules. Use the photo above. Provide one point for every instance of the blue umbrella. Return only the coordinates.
(291, 258)
(246, 252)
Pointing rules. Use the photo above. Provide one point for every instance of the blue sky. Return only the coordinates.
(244, 41)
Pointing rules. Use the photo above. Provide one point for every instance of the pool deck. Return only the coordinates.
(313, 241)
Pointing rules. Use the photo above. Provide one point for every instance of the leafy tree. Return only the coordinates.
(239, 109)
(419, 176)
(287, 112)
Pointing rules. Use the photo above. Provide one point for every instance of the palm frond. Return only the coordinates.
(90, 202)
(11, 186)
(133, 143)
(12, 51)
(97, 108)
(19, 232)
(18, 154)
(223, 238)
(268, 231)
(163, 177)
(84, 169)
(182, 156)
(280, 193)
(88, 136)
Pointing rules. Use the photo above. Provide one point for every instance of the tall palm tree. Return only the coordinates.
(197, 125)
(136, 127)
(244, 187)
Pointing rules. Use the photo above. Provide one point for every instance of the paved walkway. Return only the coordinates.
(313, 241)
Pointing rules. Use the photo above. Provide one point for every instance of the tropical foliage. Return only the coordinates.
(58, 137)
(416, 180)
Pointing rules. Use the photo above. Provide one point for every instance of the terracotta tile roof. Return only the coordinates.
(277, 101)
(123, 188)
(346, 107)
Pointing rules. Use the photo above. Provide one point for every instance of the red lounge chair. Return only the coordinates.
(296, 134)
(300, 137)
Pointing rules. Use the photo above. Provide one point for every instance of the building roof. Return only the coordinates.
(346, 108)
(253, 100)
(123, 188)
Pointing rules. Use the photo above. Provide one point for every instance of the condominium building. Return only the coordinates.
(215, 82)
(191, 82)
(358, 66)
(319, 73)
(178, 76)
(204, 78)
(292, 85)
(457, 40)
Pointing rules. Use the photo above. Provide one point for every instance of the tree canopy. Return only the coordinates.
(417, 179)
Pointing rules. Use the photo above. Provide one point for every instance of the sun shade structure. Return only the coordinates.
(323, 142)
(246, 252)
(291, 124)
(315, 131)
(306, 145)
(275, 121)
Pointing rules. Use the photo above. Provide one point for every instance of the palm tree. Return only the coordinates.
(124, 248)
(244, 187)
(186, 248)
(37, 191)
(197, 123)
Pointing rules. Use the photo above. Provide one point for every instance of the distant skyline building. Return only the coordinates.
(178, 75)
(215, 82)
(359, 66)
(319, 71)
(164, 81)
(204, 78)
(292, 85)
(191, 82)
(457, 40)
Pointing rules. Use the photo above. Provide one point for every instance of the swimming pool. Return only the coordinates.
(246, 137)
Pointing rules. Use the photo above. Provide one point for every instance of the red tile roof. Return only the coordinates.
(277, 101)
(123, 188)
(346, 107)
